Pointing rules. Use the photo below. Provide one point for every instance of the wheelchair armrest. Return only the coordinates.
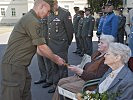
(91, 83)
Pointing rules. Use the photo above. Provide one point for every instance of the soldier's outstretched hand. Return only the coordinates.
(60, 61)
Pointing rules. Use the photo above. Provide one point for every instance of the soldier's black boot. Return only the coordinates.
(39, 81)
(45, 85)
(51, 90)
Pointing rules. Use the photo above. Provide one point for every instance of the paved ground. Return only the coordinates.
(4, 29)
(38, 93)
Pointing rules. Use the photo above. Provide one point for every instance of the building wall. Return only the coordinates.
(23, 6)
(69, 4)
(20, 9)
(128, 3)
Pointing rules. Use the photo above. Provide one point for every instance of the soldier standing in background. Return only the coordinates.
(43, 61)
(60, 34)
(121, 26)
(76, 19)
(127, 25)
(87, 32)
(78, 35)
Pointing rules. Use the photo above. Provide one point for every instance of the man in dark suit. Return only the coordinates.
(60, 34)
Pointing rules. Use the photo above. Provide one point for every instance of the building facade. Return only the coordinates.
(128, 3)
(12, 10)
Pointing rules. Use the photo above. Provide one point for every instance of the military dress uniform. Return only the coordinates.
(76, 19)
(43, 61)
(60, 34)
(87, 34)
(22, 45)
(78, 35)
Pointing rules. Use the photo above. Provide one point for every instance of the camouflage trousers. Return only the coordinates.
(16, 82)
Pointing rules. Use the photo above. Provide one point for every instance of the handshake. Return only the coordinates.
(60, 61)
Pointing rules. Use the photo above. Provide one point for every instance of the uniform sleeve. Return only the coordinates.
(69, 27)
(35, 32)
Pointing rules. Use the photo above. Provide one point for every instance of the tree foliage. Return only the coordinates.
(97, 4)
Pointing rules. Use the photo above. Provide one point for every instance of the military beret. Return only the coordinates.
(129, 9)
(120, 8)
(76, 8)
(81, 12)
(87, 9)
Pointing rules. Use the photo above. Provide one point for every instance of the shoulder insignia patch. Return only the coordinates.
(39, 31)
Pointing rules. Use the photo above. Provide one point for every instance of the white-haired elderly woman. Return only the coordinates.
(92, 70)
(118, 79)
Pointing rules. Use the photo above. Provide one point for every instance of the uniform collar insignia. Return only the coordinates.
(56, 19)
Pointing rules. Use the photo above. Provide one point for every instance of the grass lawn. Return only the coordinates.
(4, 29)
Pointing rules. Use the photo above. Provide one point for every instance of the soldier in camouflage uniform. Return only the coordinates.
(60, 34)
(25, 38)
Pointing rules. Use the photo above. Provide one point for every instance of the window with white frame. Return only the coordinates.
(13, 11)
(3, 12)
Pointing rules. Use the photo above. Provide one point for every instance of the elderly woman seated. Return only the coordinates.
(119, 78)
(92, 70)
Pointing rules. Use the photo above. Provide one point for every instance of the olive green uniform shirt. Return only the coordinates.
(23, 40)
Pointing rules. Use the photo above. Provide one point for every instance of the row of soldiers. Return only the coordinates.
(108, 23)
(83, 28)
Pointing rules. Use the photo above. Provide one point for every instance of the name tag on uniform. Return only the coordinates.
(56, 20)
